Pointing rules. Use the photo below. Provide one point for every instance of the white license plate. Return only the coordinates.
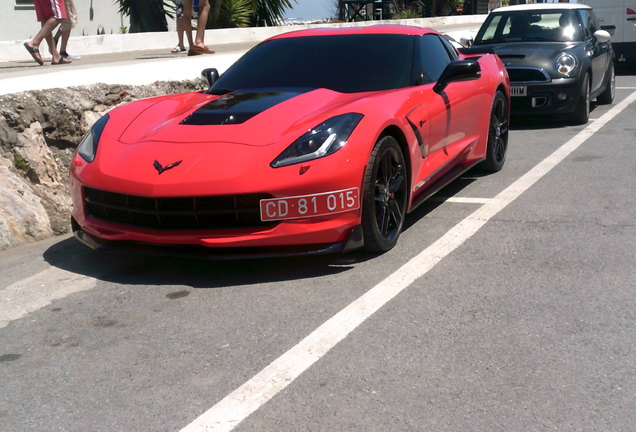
(518, 91)
(310, 205)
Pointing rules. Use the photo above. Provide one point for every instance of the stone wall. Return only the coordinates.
(39, 131)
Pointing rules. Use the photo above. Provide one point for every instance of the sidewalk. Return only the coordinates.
(129, 67)
(122, 62)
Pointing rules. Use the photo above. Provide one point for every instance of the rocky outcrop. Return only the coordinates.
(39, 131)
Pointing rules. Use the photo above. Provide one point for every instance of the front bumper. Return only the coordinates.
(318, 234)
(353, 241)
(560, 96)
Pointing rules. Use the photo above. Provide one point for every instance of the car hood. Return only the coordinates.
(183, 144)
(529, 54)
(256, 117)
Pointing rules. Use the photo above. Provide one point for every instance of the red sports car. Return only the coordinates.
(315, 141)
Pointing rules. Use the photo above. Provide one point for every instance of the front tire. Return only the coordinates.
(497, 134)
(385, 196)
(582, 113)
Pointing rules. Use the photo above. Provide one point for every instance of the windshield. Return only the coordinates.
(347, 64)
(531, 25)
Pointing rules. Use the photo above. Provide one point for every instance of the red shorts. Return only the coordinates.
(46, 9)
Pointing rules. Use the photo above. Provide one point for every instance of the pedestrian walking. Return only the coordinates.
(50, 13)
(64, 31)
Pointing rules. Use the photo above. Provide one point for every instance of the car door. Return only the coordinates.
(447, 122)
(600, 53)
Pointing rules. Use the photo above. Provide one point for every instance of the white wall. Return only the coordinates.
(18, 22)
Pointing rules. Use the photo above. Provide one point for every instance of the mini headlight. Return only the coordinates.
(88, 147)
(325, 139)
(565, 64)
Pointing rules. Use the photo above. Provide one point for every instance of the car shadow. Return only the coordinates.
(625, 69)
(140, 269)
(450, 190)
(537, 122)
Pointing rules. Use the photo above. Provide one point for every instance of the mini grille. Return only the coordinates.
(178, 213)
(527, 75)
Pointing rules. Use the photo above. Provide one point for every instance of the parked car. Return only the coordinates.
(557, 56)
(315, 141)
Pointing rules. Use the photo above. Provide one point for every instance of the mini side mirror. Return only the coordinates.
(460, 70)
(210, 75)
(602, 36)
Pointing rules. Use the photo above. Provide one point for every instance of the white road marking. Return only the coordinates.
(461, 200)
(625, 88)
(249, 397)
(40, 290)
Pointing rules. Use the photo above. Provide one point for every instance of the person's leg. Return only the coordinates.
(187, 20)
(65, 35)
(204, 9)
(180, 31)
(180, 27)
(46, 30)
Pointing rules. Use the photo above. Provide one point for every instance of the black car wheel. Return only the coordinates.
(582, 112)
(497, 134)
(607, 97)
(385, 195)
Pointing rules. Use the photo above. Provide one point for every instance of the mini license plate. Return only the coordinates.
(518, 91)
(310, 205)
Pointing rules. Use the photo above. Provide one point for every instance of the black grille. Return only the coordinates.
(526, 75)
(178, 213)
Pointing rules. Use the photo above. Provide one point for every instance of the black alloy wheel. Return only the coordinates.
(497, 134)
(385, 196)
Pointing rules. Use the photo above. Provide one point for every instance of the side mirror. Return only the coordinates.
(467, 41)
(602, 36)
(460, 70)
(210, 75)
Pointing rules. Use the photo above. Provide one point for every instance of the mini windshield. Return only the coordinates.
(531, 25)
(347, 64)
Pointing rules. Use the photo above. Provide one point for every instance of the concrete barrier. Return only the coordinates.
(113, 43)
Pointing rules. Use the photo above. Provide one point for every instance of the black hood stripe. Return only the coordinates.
(239, 106)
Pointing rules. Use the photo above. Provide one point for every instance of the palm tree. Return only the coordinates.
(269, 12)
(147, 15)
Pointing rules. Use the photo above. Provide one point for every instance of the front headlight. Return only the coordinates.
(88, 147)
(565, 64)
(325, 139)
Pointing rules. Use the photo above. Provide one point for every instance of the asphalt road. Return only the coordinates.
(522, 319)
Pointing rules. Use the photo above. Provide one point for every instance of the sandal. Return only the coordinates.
(35, 53)
(62, 61)
(201, 50)
(177, 49)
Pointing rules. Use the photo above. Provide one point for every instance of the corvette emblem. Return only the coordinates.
(160, 169)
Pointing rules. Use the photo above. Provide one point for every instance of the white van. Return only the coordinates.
(619, 18)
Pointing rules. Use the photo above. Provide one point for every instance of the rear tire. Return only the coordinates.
(582, 113)
(385, 196)
(497, 134)
(607, 97)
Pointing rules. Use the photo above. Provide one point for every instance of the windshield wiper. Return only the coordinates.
(218, 92)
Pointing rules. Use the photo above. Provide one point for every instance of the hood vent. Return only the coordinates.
(239, 106)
